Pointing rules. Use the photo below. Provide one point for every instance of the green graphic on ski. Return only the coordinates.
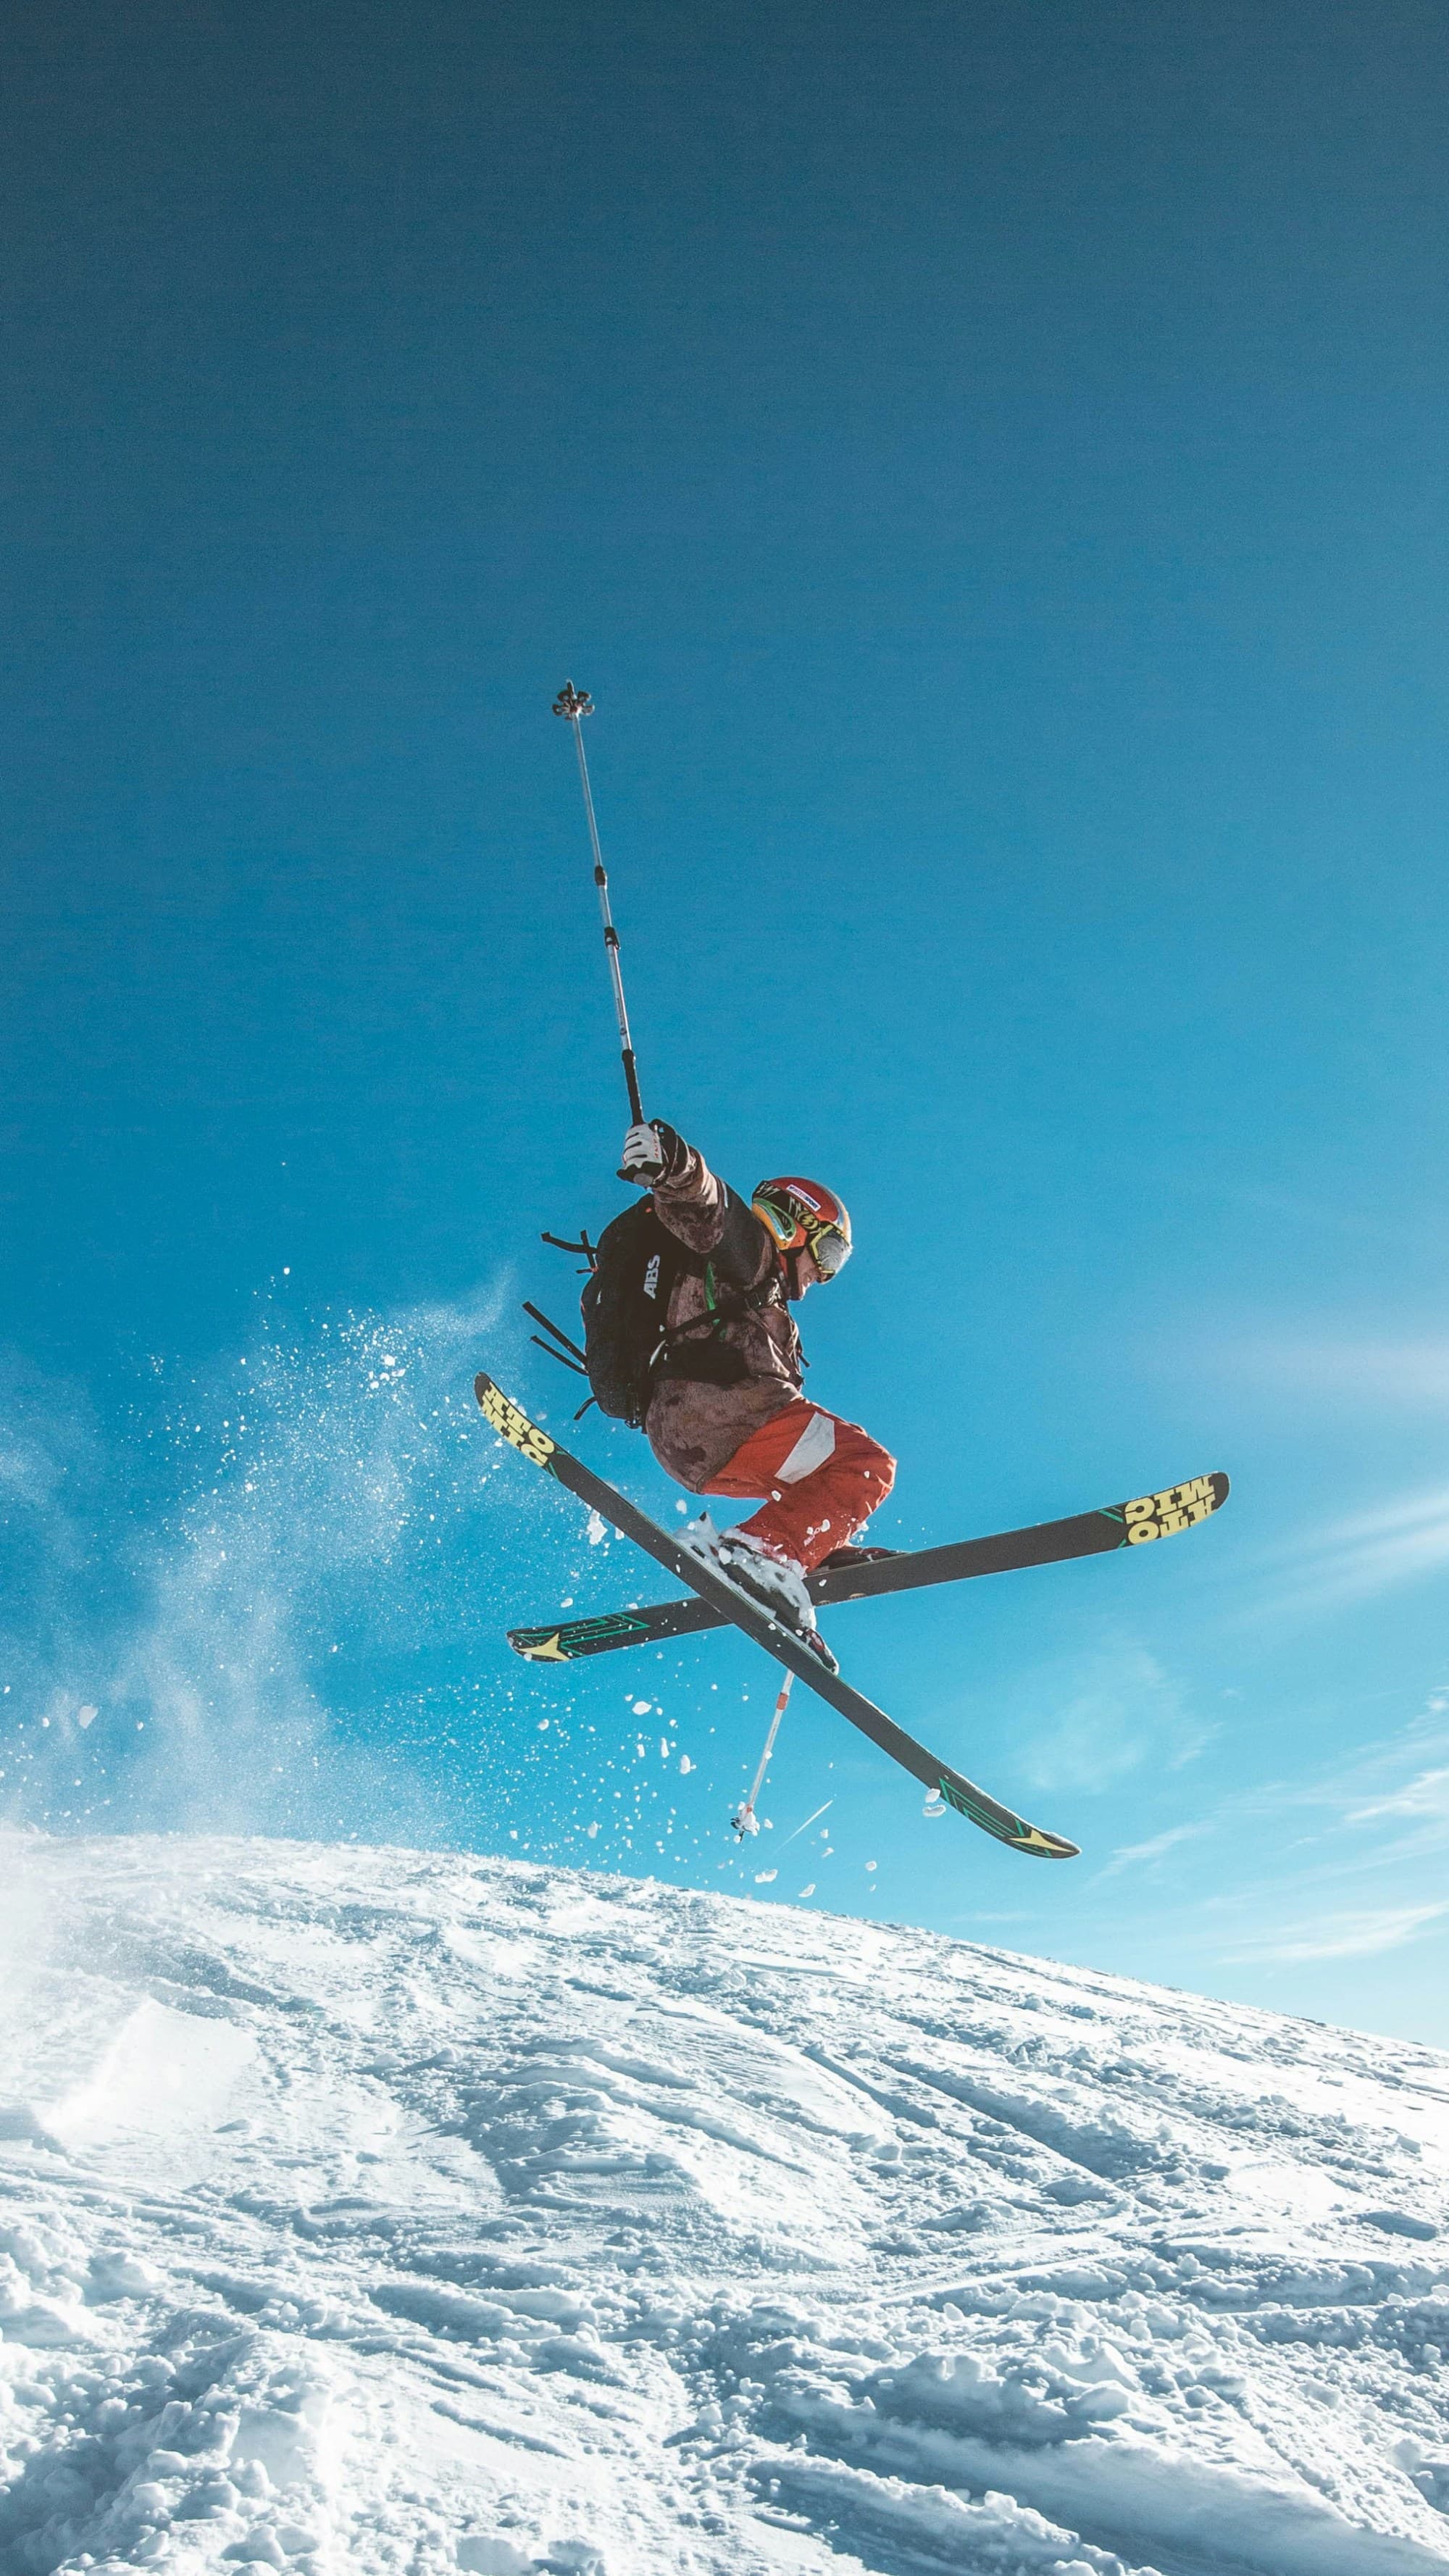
(1098, 1533)
(771, 1635)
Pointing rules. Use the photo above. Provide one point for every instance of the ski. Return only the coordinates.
(1113, 1525)
(771, 1635)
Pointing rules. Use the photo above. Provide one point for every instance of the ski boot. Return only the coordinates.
(775, 1584)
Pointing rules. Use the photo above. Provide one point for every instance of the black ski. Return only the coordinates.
(776, 1639)
(1114, 1525)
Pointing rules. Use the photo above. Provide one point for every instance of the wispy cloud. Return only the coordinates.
(1345, 1861)
(1425, 1796)
(1354, 1559)
(1345, 1935)
(1140, 1855)
(1110, 1713)
(1402, 1778)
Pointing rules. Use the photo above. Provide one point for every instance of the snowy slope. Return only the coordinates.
(367, 2210)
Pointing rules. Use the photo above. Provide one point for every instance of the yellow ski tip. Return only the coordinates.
(1047, 1846)
(510, 1420)
(1176, 1508)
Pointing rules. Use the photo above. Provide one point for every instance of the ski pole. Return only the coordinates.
(574, 704)
(747, 1822)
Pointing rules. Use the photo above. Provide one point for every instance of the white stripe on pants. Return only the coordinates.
(815, 1444)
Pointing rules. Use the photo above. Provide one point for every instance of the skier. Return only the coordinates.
(726, 1412)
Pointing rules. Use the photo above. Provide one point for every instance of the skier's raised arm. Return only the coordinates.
(701, 1210)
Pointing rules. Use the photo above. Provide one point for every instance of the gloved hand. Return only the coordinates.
(651, 1152)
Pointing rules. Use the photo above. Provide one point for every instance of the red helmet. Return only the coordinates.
(802, 1216)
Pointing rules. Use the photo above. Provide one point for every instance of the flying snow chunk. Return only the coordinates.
(597, 1529)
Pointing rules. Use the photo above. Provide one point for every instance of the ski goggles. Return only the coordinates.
(829, 1247)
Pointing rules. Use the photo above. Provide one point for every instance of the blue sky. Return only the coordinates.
(988, 470)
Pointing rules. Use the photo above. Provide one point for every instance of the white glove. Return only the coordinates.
(643, 1158)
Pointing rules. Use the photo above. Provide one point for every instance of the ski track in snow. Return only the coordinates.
(376, 2210)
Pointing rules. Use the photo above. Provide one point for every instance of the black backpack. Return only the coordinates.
(625, 1301)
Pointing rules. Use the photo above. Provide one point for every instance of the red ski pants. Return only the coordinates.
(822, 1476)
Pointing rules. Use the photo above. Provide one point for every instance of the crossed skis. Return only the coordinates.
(716, 1603)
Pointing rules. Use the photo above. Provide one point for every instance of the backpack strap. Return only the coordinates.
(726, 1309)
(570, 1355)
(729, 1308)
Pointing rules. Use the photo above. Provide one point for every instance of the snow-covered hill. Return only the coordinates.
(367, 2210)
